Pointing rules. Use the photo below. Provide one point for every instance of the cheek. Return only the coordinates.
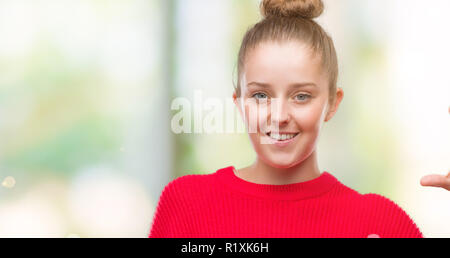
(256, 117)
(310, 119)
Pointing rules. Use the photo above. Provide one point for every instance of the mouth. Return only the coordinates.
(282, 137)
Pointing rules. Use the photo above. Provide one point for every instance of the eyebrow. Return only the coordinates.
(294, 85)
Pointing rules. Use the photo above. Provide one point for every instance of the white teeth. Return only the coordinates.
(281, 137)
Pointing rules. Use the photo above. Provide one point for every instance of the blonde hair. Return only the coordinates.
(285, 20)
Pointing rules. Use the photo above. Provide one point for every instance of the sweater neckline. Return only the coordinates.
(294, 191)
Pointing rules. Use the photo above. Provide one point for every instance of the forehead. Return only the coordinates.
(286, 62)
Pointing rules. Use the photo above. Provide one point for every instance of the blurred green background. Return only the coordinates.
(86, 88)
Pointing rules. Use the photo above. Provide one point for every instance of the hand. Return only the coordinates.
(437, 180)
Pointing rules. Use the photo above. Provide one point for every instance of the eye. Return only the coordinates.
(302, 97)
(259, 96)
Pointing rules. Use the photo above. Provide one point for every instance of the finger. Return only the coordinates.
(436, 181)
(433, 180)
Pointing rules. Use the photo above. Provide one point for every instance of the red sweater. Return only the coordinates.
(222, 205)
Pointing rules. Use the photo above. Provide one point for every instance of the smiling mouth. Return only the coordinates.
(281, 137)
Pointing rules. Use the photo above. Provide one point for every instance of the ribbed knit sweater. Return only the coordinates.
(222, 205)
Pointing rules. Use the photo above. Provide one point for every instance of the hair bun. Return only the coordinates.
(309, 9)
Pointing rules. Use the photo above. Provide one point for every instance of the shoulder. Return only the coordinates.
(178, 191)
(185, 186)
(170, 213)
(388, 217)
(380, 200)
(189, 181)
(375, 203)
(376, 213)
(383, 205)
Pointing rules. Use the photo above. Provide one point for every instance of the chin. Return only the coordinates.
(282, 164)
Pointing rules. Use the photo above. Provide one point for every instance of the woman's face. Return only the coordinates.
(285, 95)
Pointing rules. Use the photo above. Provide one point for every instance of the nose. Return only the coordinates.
(279, 112)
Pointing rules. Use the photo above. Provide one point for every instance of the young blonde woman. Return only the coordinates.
(289, 62)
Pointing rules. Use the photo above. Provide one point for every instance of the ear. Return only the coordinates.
(236, 101)
(333, 109)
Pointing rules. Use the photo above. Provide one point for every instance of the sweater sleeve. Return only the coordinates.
(166, 219)
(390, 220)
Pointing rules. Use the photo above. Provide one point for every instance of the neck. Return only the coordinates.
(262, 173)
